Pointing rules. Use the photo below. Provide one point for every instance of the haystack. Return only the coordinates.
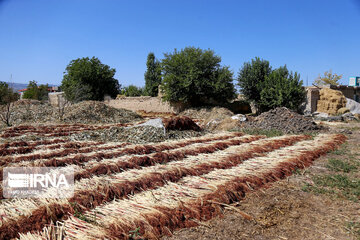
(331, 101)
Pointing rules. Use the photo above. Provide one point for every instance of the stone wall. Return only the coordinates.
(312, 97)
(148, 104)
(56, 99)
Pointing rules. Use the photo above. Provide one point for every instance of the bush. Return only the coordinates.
(250, 75)
(6, 94)
(281, 89)
(89, 79)
(132, 91)
(33, 91)
(195, 76)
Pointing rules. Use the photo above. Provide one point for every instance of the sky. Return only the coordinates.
(39, 38)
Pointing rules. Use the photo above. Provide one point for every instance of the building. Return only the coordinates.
(354, 81)
(313, 94)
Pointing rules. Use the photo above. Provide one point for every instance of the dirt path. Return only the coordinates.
(320, 202)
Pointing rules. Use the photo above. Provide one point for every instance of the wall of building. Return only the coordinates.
(148, 104)
(56, 99)
(313, 95)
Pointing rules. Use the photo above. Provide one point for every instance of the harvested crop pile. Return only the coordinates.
(137, 134)
(155, 114)
(207, 114)
(284, 120)
(97, 112)
(32, 111)
(180, 123)
(224, 125)
(331, 101)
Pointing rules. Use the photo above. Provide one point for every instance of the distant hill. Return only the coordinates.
(18, 86)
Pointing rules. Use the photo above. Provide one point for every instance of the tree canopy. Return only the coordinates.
(281, 88)
(132, 91)
(7, 95)
(250, 75)
(152, 76)
(33, 91)
(89, 79)
(193, 75)
(328, 78)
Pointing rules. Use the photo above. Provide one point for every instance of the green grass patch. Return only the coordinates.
(354, 228)
(342, 185)
(340, 165)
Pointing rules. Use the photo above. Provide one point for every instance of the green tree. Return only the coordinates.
(250, 75)
(33, 91)
(152, 76)
(194, 75)
(281, 89)
(7, 97)
(89, 79)
(328, 78)
(132, 91)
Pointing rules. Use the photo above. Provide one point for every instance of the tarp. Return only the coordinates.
(353, 106)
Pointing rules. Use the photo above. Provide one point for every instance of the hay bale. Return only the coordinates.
(330, 101)
(343, 110)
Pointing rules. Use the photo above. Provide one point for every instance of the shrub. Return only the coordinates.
(132, 91)
(33, 91)
(194, 76)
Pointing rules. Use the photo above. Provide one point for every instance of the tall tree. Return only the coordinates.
(193, 76)
(250, 75)
(89, 79)
(152, 75)
(328, 78)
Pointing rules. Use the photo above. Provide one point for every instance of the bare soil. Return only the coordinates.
(294, 208)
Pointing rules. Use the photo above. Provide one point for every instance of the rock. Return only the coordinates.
(334, 119)
(157, 123)
(357, 116)
(353, 106)
(239, 117)
(349, 117)
(343, 110)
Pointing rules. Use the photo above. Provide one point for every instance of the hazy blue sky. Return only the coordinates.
(38, 38)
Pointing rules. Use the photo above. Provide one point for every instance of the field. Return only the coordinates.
(130, 191)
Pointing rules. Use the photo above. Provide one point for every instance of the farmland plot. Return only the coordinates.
(154, 188)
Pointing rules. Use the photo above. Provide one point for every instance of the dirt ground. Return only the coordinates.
(311, 204)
